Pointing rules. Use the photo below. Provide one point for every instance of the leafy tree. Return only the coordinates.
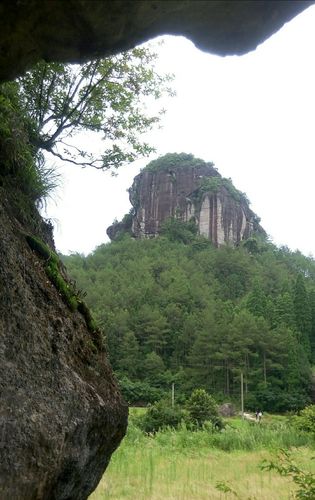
(138, 393)
(256, 301)
(153, 367)
(201, 361)
(251, 245)
(202, 408)
(282, 311)
(177, 230)
(129, 359)
(161, 414)
(232, 271)
(185, 337)
(302, 313)
(312, 332)
(306, 419)
(297, 368)
(273, 352)
(105, 96)
(151, 328)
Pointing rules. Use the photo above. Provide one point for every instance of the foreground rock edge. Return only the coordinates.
(62, 415)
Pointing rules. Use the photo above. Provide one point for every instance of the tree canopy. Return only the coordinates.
(174, 161)
(108, 96)
(176, 309)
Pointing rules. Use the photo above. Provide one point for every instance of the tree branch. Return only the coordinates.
(40, 111)
(83, 164)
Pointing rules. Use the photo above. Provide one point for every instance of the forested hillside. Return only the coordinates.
(176, 309)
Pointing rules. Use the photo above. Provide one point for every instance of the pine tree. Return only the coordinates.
(153, 368)
(302, 314)
(312, 332)
(129, 359)
(256, 301)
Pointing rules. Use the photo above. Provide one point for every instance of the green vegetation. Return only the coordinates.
(177, 310)
(306, 420)
(183, 464)
(160, 415)
(138, 391)
(213, 185)
(200, 410)
(42, 249)
(22, 168)
(176, 230)
(235, 193)
(68, 292)
(44, 109)
(172, 161)
(203, 408)
(287, 467)
(52, 268)
(104, 96)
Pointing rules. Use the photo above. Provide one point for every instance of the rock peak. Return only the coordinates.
(187, 188)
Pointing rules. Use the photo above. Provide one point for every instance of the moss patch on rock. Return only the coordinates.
(67, 290)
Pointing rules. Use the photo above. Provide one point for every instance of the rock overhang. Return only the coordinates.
(72, 31)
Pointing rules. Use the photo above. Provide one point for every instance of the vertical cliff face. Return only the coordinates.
(223, 219)
(159, 195)
(187, 192)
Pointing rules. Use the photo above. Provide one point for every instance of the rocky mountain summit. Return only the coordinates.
(189, 189)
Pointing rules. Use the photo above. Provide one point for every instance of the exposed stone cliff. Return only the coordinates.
(188, 191)
(61, 413)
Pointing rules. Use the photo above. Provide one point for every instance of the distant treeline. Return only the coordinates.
(177, 310)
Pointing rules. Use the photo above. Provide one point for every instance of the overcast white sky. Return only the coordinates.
(253, 116)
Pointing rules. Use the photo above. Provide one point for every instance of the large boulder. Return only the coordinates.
(61, 413)
(227, 410)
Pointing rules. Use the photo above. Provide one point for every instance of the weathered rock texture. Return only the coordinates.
(61, 414)
(76, 30)
(222, 215)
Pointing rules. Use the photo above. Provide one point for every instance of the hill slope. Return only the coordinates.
(176, 309)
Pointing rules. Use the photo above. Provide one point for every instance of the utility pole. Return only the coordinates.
(242, 394)
(173, 394)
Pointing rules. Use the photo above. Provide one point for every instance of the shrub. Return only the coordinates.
(138, 393)
(177, 230)
(173, 161)
(306, 420)
(202, 408)
(161, 414)
(22, 166)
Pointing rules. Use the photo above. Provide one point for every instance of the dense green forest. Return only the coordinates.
(175, 309)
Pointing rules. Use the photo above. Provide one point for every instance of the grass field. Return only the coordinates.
(185, 465)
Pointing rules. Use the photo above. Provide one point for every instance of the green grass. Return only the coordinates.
(179, 464)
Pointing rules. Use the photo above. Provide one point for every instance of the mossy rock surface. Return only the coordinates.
(66, 289)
